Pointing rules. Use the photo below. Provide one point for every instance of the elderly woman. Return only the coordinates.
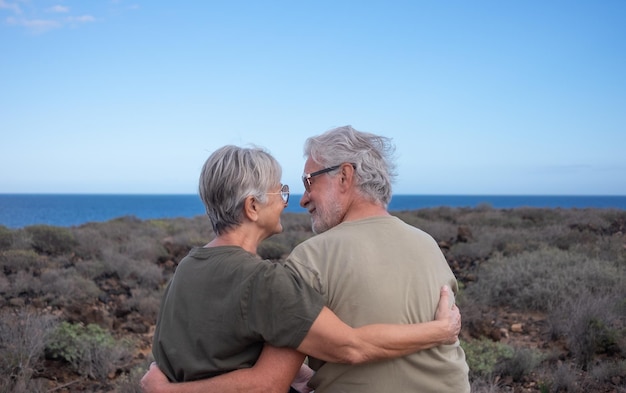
(225, 304)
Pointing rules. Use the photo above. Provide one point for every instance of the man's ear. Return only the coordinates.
(347, 175)
(251, 208)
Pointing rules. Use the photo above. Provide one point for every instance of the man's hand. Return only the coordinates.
(154, 381)
(302, 378)
(448, 312)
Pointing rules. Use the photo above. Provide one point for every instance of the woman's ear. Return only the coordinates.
(251, 208)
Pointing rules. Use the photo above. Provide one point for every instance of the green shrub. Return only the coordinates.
(483, 356)
(51, 240)
(90, 350)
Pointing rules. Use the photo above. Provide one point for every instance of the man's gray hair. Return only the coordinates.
(372, 156)
(230, 175)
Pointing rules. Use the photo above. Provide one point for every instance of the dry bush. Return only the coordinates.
(439, 230)
(130, 382)
(271, 249)
(442, 213)
(609, 248)
(146, 302)
(591, 324)
(564, 378)
(21, 240)
(296, 229)
(296, 222)
(143, 247)
(62, 287)
(91, 268)
(592, 218)
(148, 275)
(521, 363)
(23, 283)
(486, 385)
(5, 286)
(478, 248)
(133, 272)
(536, 280)
(6, 238)
(12, 261)
(51, 240)
(576, 238)
(120, 229)
(23, 337)
(200, 226)
(116, 263)
(608, 371)
(492, 218)
(90, 242)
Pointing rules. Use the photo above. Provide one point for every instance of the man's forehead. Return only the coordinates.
(310, 165)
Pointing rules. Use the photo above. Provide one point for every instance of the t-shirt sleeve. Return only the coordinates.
(280, 307)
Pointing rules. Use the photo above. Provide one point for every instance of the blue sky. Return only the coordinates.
(480, 97)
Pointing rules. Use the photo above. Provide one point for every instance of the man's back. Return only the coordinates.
(381, 270)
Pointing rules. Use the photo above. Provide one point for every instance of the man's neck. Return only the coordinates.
(361, 208)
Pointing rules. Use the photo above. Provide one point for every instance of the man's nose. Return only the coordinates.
(305, 199)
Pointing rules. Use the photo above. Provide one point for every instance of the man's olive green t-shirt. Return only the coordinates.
(222, 305)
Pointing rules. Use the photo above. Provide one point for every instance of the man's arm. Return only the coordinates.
(332, 340)
(273, 372)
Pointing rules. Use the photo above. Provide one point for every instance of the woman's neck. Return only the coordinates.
(235, 238)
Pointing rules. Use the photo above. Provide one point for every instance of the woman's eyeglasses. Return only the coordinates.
(284, 192)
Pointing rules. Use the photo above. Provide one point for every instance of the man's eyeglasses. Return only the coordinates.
(306, 179)
(284, 192)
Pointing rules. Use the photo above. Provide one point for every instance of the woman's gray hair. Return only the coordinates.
(229, 176)
(372, 157)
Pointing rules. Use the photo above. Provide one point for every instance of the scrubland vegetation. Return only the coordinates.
(543, 296)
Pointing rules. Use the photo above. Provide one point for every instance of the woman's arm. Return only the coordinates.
(332, 340)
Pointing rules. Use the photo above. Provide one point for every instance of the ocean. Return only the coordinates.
(20, 210)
